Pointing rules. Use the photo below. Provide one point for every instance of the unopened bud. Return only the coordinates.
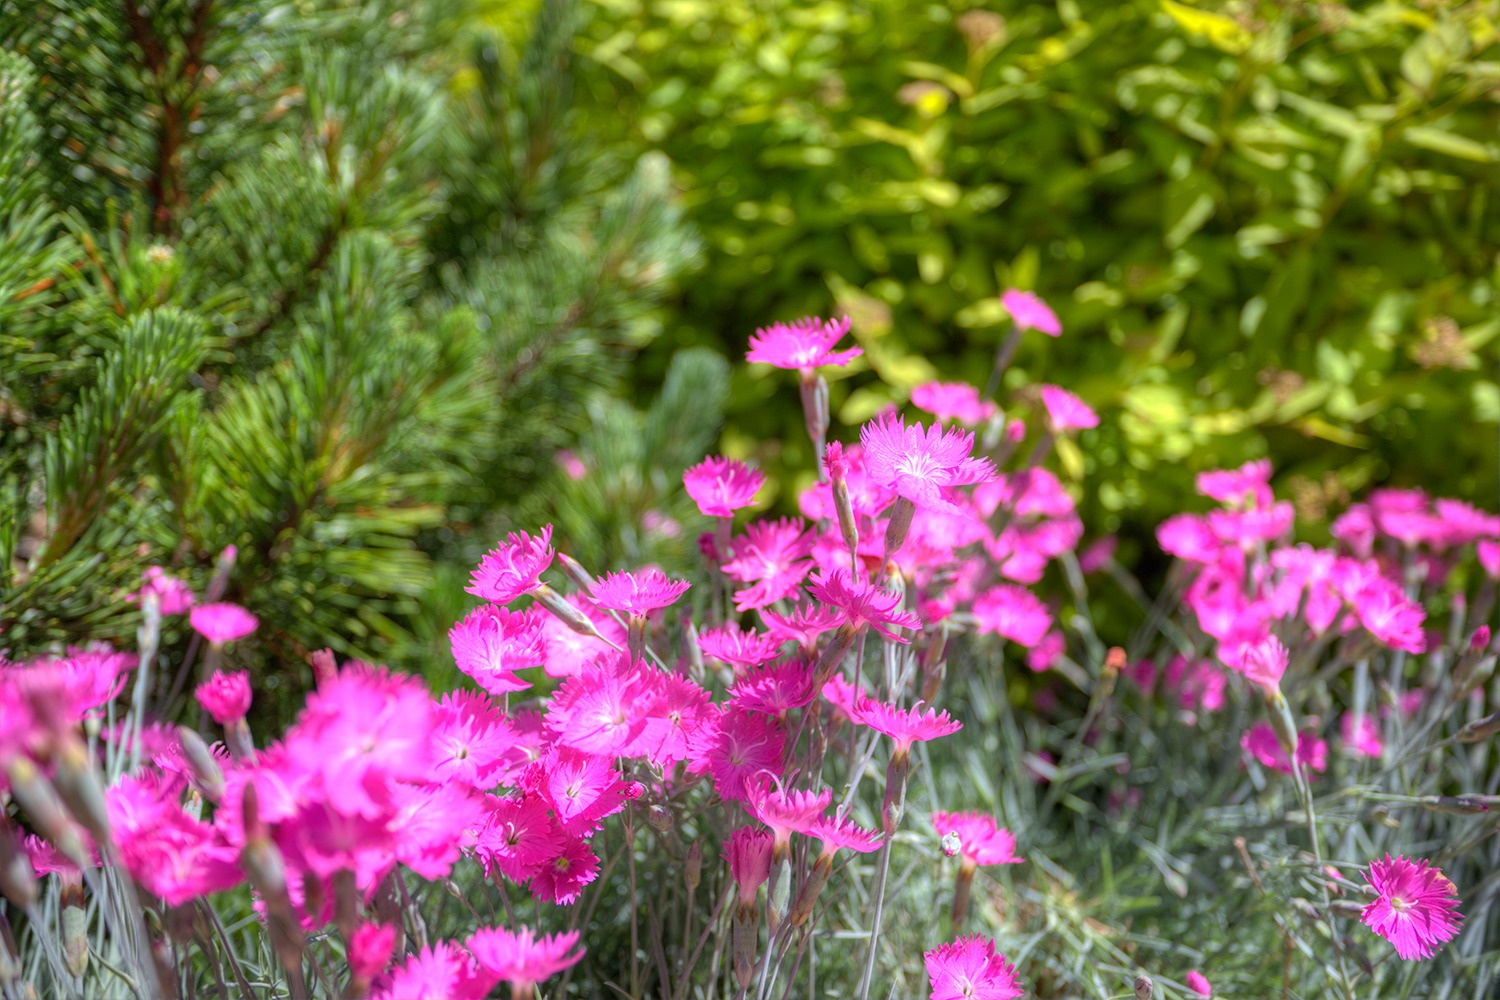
(39, 800)
(1144, 988)
(898, 525)
(779, 892)
(692, 870)
(1480, 729)
(746, 938)
(952, 843)
(324, 667)
(1454, 805)
(659, 818)
(565, 612)
(78, 785)
(573, 570)
(894, 805)
(206, 771)
(17, 877)
(75, 930)
(833, 655)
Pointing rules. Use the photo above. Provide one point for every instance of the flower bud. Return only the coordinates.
(779, 894)
(75, 927)
(746, 939)
(565, 612)
(206, 771)
(78, 784)
(1480, 729)
(898, 525)
(574, 571)
(39, 800)
(1144, 988)
(692, 870)
(17, 877)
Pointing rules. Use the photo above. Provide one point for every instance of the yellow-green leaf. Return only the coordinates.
(1223, 33)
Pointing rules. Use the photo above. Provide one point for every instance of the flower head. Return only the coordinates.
(740, 648)
(1416, 909)
(1261, 743)
(512, 569)
(841, 834)
(1265, 662)
(491, 643)
(173, 596)
(437, 971)
(863, 604)
(748, 852)
(562, 877)
(638, 593)
(720, 486)
(1198, 983)
(1247, 486)
(970, 969)
(953, 401)
(905, 725)
(773, 557)
(919, 463)
(1012, 612)
(735, 748)
(787, 812)
(1065, 411)
(521, 957)
(980, 840)
(225, 696)
(1029, 312)
(222, 622)
(805, 343)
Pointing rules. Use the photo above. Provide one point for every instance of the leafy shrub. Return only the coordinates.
(1269, 228)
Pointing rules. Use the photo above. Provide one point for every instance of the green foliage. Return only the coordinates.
(265, 282)
(1268, 230)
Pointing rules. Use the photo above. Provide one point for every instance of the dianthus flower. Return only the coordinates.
(905, 725)
(567, 652)
(804, 623)
(970, 969)
(1389, 616)
(740, 648)
(835, 835)
(802, 344)
(601, 711)
(370, 948)
(919, 463)
(522, 958)
(980, 840)
(863, 604)
(786, 812)
(583, 789)
(170, 853)
(677, 706)
(562, 877)
(735, 747)
(471, 739)
(1364, 739)
(512, 569)
(517, 837)
(774, 689)
(638, 594)
(1187, 536)
(1012, 612)
(1245, 487)
(225, 696)
(1198, 983)
(1261, 743)
(173, 596)
(491, 643)
(953, 401)
(1464, 523)
(1247, 527)
(1048, 649)
(720, 486)
(748, 852)
(1029, 312)
(1265, 663)
(772, 555)
(1416, 909)
(222, 622)
(1065, 411)
(437, 971)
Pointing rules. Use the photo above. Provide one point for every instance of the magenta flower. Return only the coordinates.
(1261, 743)
(1389, 616)
(522, 958)
(677, 706)
(222, 622)
(980, 840)
(804, 623)
(1029, 312)
(970, 969)
(226, 697)
(471, 741)
(1246, 487)
(841, 834)
(491, 643)
(1363, 740)
(173, 596)
(919, 463)
(602, 710)
(786, 812)
(1012, 612)
(638, 593)
(561, 878)
(771, 555)
(370, 949)
(584, 790)
(953, 401)
(437, 971)
(512, 569)
(1265, 663)
(905, 725)
(1416, 909)
(740, 648)
(735, 749)
(803, 344)
(863, 604)
(1187, 536)
(720, 486)
(1198, 983)
(774, 689)
(1065, 411)
(517, 838)
(749, 855)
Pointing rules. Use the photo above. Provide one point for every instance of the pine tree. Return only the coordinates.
(304, 280)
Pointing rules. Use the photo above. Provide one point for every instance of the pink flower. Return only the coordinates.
(1065, 411)
(953, 401)
(1246, 527)
(980, 840)
(601, 711)
(787, 812)
(720, 486)
(735, 748)
(584, 790)
(677, 707)
(1188, 537)
(1356, 529)
(1363, 740)
(739, 647)
(1046, 651)
(774, 689)
(863, 604)
(1261, 743)
(1489, 556)
(512, 569)
(772, 555)
(919, 463)
(491, 643)
(804, 344)
(804, 623)
(222, 622)
(1012, 612)
(562, 877)
(522, 958)
(1417, 908)
(1246, 487)
(1198, 983)
(970, 968)
(1029, 312)
(173, 596)
(905, 725)
(438, 971)
(1464, 523)
(638, 593)
(749, 855)
(170, 853)
(226, 697)
(471, 741)
(571, 465)
(841, 834)
(517, 837)
(1265, 663)
(370, 950)
(1389, 616)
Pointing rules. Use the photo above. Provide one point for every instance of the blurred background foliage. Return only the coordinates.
(1269, 228)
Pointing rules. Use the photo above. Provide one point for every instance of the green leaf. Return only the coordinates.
(1448, 143)
(1188, 205)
